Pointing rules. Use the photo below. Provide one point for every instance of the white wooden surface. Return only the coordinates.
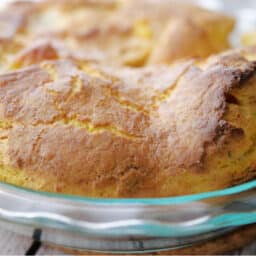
(12, 244)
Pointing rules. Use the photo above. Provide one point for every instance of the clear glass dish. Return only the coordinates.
(127, 225)
(135, 225)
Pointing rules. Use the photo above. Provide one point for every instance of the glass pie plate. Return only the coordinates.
(135, 225)
(126, 225)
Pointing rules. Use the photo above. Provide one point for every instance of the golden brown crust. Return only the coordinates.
(99, 131)
(74, 120)
(129, 33)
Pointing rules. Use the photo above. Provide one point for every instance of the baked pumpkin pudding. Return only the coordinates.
(77, 117)
(116, 32)
(122, 132)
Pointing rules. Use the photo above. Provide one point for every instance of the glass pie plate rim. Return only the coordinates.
(152, 201)
(115, 225)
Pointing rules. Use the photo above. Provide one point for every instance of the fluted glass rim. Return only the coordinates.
(157, 201)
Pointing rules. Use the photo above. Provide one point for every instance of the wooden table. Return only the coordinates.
(11, 244)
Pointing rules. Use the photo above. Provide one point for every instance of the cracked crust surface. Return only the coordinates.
(123, 132)
(75, 119)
